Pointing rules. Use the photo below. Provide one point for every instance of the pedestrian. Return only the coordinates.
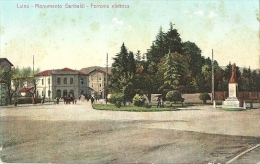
(159, 104)
(57, 100)
(92, 100)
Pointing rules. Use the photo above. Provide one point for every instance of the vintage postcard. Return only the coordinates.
(130, 81)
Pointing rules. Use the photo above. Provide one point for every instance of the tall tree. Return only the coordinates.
(194, 57)
(170, 74)
(173, 40)
(123, 73)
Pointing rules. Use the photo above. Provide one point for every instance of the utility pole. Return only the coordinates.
(34, 83)
(212, 66)
(106, 81)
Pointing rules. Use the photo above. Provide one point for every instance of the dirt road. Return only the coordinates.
(79, 134)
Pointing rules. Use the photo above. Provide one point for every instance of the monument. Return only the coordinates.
(232, 101)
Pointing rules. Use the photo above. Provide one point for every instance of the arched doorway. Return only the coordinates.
(65, 93)
(59, 93)
(71, 93)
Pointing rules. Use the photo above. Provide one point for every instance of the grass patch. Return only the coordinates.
(131, 108)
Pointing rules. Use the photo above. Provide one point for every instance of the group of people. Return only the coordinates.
(67, 100)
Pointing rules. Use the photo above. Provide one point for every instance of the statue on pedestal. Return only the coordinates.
(232, 100)
(233, 76)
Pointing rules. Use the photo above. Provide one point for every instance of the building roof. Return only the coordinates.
(5, 59)
(25, 89)
(44, 73)
(50, 72)
(2, 81)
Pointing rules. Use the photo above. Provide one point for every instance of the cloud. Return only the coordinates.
(212, 15)
(117, 21)
(199, 13)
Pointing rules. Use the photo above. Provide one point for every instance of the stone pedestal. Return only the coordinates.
(231, 101)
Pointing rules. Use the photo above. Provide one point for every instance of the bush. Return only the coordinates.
(26, 100)
(117, 99)
(138, 100)
(147, 105)
(174, 96)
(204, 97)
(118, 104)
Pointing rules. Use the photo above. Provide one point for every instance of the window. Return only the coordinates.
(71, 80)
(49, 93)
(99, 78)
(49, 81)
(81, 81)
(58, 80)
(42, 81)
(100, 85)
(65, 80)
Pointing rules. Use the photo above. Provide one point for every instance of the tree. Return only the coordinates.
(170, 75)
(7, 76)
(194, 57)
(206, 75)
(119, 70)
(131, 65)
(15, 79)
(138, 56)
(173, 40)
(123, 73)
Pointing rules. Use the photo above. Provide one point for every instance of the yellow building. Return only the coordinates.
(97, 81)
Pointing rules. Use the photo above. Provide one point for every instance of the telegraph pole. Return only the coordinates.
(34, 83)
(212, 66)
(106, 80)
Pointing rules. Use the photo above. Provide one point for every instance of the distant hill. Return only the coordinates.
(89, 69)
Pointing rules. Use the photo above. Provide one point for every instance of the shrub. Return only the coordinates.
(147, 105)
(26, 100)
(138, 100)
(118, 104)
(174, 96)
(117, 99)
(204, 97)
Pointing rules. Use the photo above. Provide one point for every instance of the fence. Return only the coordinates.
(222, 95)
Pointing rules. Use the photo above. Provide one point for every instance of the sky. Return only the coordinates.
(81, 37)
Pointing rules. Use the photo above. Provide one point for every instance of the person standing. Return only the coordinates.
(159, 104)
(92, 100)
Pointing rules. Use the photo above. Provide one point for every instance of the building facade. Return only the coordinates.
(5, 65)
(98, 83)
(67, 82)
(61, 83)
